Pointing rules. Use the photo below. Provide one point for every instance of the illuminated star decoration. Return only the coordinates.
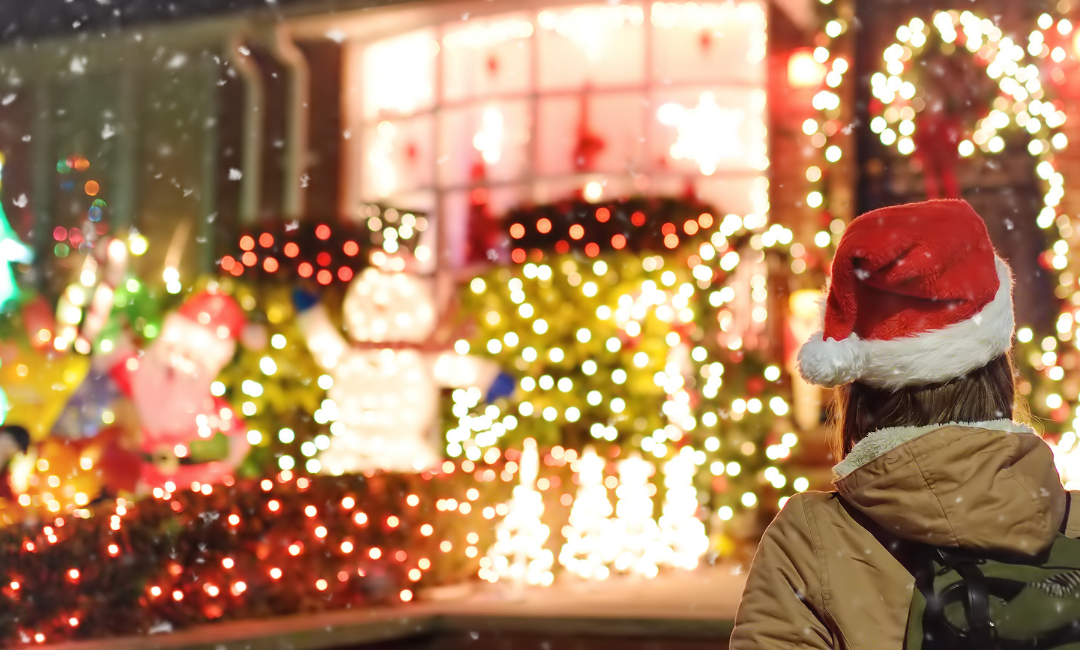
(707, 133)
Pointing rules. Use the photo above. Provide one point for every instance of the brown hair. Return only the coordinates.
(986, 393)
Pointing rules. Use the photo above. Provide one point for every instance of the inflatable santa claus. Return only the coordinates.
(170, 385)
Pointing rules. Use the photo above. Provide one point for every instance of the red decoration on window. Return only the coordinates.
(483, 235)
(589, 145)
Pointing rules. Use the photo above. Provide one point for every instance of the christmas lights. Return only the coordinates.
(327, 254)
(518, 553)
(653, 350)
(682, 534)
(385, 389)
(267, 547)
(1023, 81)
(638, 535)
(825, 133)
(591, 540)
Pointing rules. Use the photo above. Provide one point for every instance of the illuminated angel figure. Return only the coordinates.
(12, 251)
(386, 382)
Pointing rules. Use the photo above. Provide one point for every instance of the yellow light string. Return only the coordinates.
(823, 134)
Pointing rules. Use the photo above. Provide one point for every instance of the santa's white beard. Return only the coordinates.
(170, 398)
(169, 401)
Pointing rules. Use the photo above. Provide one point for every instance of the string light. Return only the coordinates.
(518, 553)
(591, 539)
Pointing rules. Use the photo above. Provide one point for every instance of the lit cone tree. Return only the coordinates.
(638, 536)
(519, 554)
(682, 534)
(591, 544)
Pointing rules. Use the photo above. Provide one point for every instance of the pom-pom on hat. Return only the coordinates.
(917, 296)
(217, 311)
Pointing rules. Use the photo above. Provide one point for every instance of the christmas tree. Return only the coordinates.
(638, 534)
(275, 384)
(642, 324)
(590, 540)
(682, 534)
(518, 553)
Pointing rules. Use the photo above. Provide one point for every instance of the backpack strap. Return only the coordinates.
(1070, 523)
(977, 605)
(918, 560)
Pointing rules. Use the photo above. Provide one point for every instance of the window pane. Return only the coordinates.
(464, 222)
(495, 134)
(593, 45)
(398, 75)
(709, 43)
(397, 157)
(615, 129)
(485, 57)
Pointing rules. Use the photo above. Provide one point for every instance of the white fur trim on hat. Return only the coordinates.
(928, 358)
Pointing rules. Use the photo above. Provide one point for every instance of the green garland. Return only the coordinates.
(173, 561)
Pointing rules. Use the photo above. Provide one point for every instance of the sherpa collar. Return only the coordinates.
(880, 442)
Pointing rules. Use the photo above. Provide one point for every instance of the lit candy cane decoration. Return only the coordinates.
(84, 307)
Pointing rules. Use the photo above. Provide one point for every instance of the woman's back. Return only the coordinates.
(823, 577)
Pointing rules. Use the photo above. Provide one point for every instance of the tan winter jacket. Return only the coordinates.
(822, 580)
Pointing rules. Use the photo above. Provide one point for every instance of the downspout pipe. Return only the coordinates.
(252, 141)
(297, 116)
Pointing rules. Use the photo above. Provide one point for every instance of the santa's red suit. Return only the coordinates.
(170, 387)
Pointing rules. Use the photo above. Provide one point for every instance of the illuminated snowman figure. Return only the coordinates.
(386, 385)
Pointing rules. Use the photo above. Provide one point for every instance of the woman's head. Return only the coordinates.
(918, 322)
(986, 393)
(917, 296)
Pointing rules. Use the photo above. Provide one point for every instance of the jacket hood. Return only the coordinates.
(989, 486)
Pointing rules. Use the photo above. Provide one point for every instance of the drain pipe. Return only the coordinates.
(297, 115)
(252, 145)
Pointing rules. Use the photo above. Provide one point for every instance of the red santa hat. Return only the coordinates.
(216, 311)
(917, 296)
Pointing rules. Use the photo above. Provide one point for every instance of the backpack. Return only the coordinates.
(971, 601)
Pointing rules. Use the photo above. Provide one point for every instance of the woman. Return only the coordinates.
(917, 335)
